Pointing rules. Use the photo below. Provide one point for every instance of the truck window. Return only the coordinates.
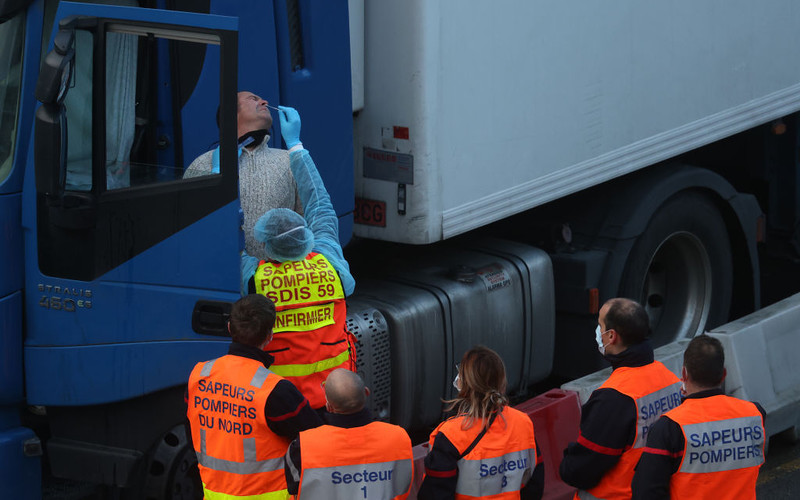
(147, 139)
(133, 105)
(11, 33)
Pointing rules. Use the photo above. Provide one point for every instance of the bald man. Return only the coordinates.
(353, 456)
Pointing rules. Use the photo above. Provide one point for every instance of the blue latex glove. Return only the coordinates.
(290, 126)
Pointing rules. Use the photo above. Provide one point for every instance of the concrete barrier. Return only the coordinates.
(555, 415)
(761, 358)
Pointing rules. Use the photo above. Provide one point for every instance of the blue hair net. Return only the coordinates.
(284, 234)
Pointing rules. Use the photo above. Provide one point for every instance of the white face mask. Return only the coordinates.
(598, 336)
(457, 383)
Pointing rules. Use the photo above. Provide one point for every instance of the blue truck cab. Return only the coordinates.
(114, 269)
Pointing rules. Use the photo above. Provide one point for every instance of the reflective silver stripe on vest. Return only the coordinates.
(290, 464)
(205, 371)
(260, 377)
(723, 445)
(249, 445)
(348, 482)
(585, 495)
(651, 407)
(249, 466)
(491, 476)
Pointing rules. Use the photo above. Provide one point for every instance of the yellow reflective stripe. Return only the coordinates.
(272, 495)
(310, 368)
(304, 319)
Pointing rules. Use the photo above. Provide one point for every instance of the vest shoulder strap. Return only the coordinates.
(478, 437)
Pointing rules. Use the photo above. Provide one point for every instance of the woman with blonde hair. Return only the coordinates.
(488, 449)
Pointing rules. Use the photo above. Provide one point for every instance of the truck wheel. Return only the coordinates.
(172, 470)
(680, 269)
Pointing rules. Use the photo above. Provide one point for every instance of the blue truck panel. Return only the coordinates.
(10, 244)
(10, 352)
(21, 476)
(132, 325)
(98, 374)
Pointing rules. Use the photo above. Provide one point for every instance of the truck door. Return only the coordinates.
(121, 247)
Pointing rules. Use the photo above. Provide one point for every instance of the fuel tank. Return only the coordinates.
(414, 324)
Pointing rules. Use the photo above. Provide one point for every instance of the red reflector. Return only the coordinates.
(400, 132)
(370, 212)
(594, 301)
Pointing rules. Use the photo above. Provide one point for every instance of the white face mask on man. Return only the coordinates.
(598, 336)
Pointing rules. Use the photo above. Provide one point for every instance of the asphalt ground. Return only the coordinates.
(779, 477)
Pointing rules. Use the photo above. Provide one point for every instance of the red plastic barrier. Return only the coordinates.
(556, 417)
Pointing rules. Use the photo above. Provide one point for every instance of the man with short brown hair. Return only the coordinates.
(243, 416)
(712, 445)
(616, 418)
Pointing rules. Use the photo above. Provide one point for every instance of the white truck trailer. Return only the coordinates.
(649, 149)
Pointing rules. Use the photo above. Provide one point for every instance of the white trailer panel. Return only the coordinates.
(511, 104)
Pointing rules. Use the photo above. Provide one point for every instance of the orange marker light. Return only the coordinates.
(594, 301)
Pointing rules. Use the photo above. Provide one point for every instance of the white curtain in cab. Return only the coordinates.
(121, 56)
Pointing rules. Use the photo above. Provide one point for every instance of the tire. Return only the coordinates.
(172, 469)
(680, 269)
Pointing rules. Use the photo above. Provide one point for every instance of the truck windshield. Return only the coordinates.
(11, 33)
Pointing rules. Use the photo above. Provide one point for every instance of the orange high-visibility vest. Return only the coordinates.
(724, 448)
(655, 390)
(503, 460)
(374, 461)
(310, 335)
(237, 453)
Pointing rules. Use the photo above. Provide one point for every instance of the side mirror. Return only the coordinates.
(50, 155)
(56, 71)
